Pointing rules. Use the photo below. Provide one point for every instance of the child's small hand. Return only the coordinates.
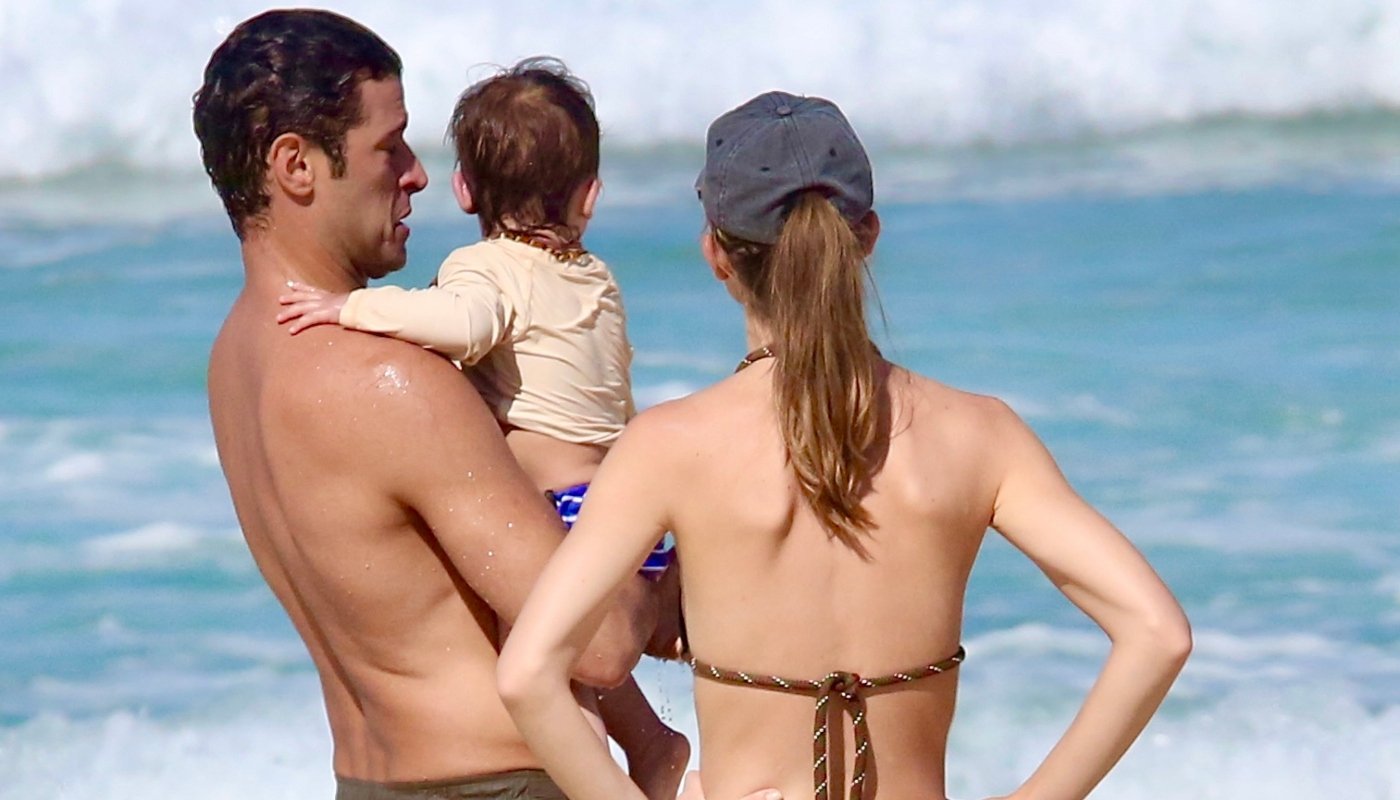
(305, 306)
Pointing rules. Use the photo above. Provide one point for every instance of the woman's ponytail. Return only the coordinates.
(809, 288)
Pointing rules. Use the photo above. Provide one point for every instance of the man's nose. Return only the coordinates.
(416, 178)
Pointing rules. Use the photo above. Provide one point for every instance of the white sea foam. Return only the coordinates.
(1042, 641)
(159, 544)
(963, 72)
(1243, 528)
(156, 538)
(281, 652)
(1081, 407)
(264, 751)
(1256, 743)
(1223, 661)
(1385, 447)
(1064, 660)
(1038, 640)
(115, 470)
(1390, 584)
(76, 467)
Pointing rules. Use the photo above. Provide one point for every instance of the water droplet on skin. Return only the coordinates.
(510, 525)
(389, 379)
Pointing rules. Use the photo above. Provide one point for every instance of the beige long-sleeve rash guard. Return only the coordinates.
(544, 341)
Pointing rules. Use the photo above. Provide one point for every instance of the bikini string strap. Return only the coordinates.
(849, 688)
(757, 354)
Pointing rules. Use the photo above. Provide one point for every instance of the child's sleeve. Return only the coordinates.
(463, 316)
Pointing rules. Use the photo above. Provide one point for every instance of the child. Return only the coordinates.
(535, 320)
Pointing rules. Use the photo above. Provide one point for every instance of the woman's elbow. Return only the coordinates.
(517, 679)
(1170, 634)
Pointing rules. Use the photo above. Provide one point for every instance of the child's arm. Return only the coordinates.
(463, 317)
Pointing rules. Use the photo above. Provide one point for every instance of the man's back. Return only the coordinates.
(322, 438)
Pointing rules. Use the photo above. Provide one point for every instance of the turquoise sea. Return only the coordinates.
(1176, 253)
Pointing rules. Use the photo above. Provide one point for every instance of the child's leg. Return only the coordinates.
(657, 756)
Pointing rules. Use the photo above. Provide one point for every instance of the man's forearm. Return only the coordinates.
(617, 646)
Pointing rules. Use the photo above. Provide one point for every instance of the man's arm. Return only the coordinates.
(441, 454)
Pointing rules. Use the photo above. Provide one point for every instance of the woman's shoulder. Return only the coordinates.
(980, 432)
(677, 416)
(947, 399)
(722, 409)
(973, 422)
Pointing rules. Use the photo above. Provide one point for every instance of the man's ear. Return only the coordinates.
(592, 190)
(290, 167)
(462, 192)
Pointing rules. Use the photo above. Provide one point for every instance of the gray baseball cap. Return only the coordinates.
(763, 153)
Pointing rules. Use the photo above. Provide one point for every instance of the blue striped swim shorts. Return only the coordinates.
(568, 502)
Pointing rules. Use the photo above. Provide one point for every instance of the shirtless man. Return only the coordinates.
(372, 485)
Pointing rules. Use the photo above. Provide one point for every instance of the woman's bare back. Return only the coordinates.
(758, 562)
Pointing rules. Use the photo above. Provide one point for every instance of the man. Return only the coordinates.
(372, 485)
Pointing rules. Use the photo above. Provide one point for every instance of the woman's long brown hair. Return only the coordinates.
(809, 288)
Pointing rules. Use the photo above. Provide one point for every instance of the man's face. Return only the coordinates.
(364, 209)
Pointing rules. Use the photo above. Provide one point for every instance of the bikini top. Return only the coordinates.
(844, 687)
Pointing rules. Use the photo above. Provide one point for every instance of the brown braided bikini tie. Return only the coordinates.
(848, 686)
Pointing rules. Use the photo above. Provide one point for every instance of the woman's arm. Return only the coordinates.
(622, 518)
(1101, 572)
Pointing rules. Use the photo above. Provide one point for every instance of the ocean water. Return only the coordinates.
(1167, 233)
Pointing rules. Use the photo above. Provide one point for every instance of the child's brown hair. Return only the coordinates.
(526, 140)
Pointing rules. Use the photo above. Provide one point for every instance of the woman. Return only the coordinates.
(827, 507)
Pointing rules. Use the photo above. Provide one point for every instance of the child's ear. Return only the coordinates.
(462, 192)
(590, 196)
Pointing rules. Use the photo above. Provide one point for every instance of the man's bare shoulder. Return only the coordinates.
(387, 389)
(364, 366)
